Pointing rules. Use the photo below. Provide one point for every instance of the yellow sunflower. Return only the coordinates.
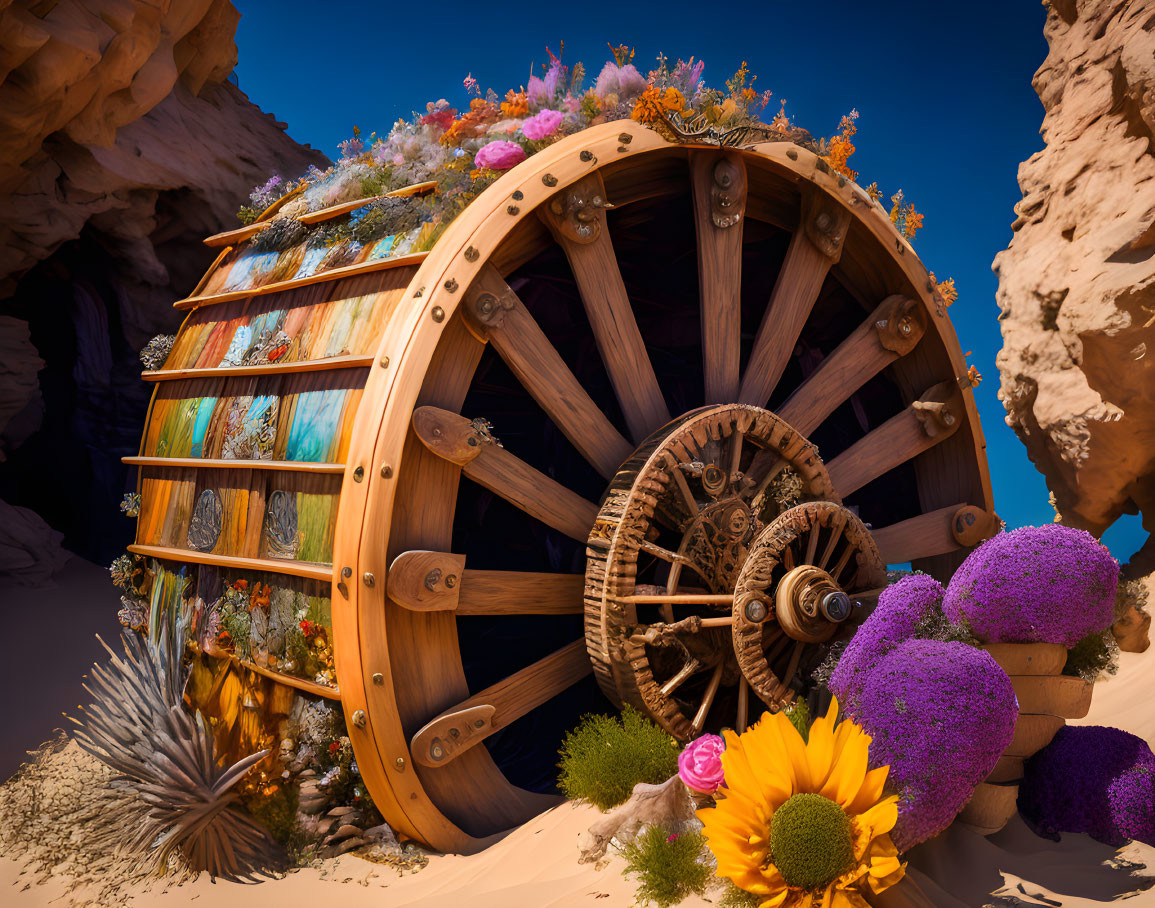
(803, 825)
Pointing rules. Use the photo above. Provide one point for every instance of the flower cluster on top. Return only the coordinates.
(464, 151)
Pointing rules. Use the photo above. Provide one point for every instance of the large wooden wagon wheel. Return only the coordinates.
(741, 349)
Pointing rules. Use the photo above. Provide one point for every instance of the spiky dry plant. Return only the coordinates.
(139, 726)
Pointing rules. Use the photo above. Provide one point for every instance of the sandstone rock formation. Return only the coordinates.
(122, 145)
(1077, 283)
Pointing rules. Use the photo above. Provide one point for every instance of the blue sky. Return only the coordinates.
(944, 94)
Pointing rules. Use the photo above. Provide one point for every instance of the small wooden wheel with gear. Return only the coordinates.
(667, 549)
(796, 589)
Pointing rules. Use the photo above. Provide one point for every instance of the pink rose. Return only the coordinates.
(499, 155)
(542, 124)
(700, 764)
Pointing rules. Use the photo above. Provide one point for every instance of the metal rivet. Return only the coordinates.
(518, 195)
(359, 718)
(513, 209)
(756, 611)
(418, 292)
(451, 581)
(451, 285)
(625, 138)
(586, 155)
(621, 148)
(438, 314)
(549, 179)
(378, 678)
(346, 572)
(358, 474)
(792, 154)
(384, 362)
(386, 471)
(471, 254)
(400, 764)
(368, 579)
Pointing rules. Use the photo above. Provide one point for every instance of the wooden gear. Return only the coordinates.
(678, 322)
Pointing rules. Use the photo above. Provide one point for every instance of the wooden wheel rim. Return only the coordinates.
(749, 448)
(819, 533)
(397, 654)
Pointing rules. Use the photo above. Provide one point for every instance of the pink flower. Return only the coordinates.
(499, 155)
(672, 837)
(624, 81)
(542, 124)
(700, 764)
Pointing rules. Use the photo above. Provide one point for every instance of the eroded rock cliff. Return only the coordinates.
(122, 145)
(1077, 283)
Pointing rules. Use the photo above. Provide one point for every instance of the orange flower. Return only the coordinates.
(516, 104)
(654, 102)
(841, 148)
(481, 114)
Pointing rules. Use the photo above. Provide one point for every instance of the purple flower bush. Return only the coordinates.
(939, 715)
(901, 608)
(1048, 584)
(1091, 779)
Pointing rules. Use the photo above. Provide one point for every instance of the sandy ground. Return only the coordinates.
(536, 865)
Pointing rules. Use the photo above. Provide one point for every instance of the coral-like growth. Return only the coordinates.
(901, 609)
(604, 758)
(1048, 584)
(940, 715)
(668, 866)
(1095, 780)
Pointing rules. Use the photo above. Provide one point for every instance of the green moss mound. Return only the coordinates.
(811, 841)
(605, 757)
(668, 867)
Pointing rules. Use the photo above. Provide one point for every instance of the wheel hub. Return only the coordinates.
(688, 554)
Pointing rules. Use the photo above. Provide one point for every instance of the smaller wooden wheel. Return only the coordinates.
(794, 592)
(666, 551)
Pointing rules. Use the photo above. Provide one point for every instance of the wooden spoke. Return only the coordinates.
(840, 565)
(835, 535)
(936, 532)
(892, 330)
(438, 581)
(814, 247)
(678, 679)
(926, 423)
(726, 599)
(469, 723)
(812, 544)
(719, 186)
(743, 705)
(792, 667)
(708, 698)
(576, 217)
(664, 554)
(454, 438)
(494, 313)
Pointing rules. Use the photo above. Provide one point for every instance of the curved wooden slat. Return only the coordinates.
(719, 189)
(334, 274)
(273, 565)
(454, 438)
(891, 331)
(510, 699)
(308, 365)
(496, 314)
(924, 424)
(288, 466)
(577, 220)
(814, 247)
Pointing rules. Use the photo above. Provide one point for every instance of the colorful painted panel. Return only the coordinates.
(245, 513)
(304, 416)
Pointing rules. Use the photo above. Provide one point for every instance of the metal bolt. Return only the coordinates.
(386, 471)
(471, 254)
(358, 474)
(368, 579)
(400, 764)
(549, 179)
(586, 155)
(451, 581)
(438, 314)
(451, 285)
(625, 138)
(756, 611)
(378, 679)
(384, 362)
(518, 195)
(512, 209)
(346, 572)
(836, 606)
(359, 718)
